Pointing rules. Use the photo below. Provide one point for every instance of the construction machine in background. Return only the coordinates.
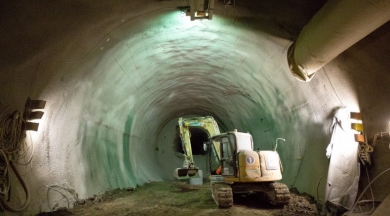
(239, 169)
(209, 126)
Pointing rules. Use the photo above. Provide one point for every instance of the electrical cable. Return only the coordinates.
(12, 134)
(354, 205)
(5, 186)
(63, 195)
(31, 156)
(372, 195)
(364, 149)
(66, 188)
(381, 134)
(26, 190)
(364, 152)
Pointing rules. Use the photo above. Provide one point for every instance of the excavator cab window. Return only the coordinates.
(228, 154)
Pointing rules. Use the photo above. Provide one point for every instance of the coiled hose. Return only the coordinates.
(12, 133)
(5, 204)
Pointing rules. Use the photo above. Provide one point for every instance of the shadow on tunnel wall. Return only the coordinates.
(288, 16)
(51, 27)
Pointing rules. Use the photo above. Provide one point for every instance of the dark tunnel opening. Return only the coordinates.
(198, 137)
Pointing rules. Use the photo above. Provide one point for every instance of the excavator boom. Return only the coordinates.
(209, 126)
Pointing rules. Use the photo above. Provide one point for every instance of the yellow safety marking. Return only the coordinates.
(357, 126)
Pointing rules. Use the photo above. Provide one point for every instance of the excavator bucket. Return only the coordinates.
(184, 173)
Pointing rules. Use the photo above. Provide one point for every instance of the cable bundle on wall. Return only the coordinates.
(366, 149)
(12, 134)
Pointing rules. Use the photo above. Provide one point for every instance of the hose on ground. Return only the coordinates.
(353, 207)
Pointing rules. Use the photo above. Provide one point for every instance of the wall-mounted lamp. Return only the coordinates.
(357, 126)
(31, 113)
(201, 9)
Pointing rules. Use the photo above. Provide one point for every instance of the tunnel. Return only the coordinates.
(117, 75)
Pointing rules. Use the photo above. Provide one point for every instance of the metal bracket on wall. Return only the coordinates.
(201, 9)
(364, 148)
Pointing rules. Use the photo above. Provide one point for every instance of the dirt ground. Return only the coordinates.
(179, 198)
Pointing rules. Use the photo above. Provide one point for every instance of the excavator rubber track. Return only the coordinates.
(274, 193)
(278, 194)
(222, 195)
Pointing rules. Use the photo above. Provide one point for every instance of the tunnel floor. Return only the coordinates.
(180, 198)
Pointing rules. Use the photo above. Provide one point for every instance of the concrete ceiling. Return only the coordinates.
(116, 75)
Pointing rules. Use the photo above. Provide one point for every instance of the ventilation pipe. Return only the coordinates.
(336, 27)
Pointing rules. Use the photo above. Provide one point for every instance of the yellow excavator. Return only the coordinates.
(238, 168)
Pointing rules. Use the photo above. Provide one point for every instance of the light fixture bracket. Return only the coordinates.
(201, 9)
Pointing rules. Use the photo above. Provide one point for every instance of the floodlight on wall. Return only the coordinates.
(357, 126)
(31, 113)
(201, 9)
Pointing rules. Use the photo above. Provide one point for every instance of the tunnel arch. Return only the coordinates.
(154, 71)
(175, 74)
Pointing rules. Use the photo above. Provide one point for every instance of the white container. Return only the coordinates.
(197, 181)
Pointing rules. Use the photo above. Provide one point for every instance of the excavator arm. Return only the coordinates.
(209, 126)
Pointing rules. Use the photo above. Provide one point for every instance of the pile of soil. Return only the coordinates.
(179, 198)
(299, 205)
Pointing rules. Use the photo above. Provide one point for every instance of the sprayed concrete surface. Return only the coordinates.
(116, 76)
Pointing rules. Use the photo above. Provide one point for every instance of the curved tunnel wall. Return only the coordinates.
(115, 88)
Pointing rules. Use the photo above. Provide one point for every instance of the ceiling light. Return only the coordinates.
(201, 9)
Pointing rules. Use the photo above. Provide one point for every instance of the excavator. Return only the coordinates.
(238, 168)
(209, 126)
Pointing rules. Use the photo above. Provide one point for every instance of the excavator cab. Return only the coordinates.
(240, 163)
(231, 144)
(244, 171)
